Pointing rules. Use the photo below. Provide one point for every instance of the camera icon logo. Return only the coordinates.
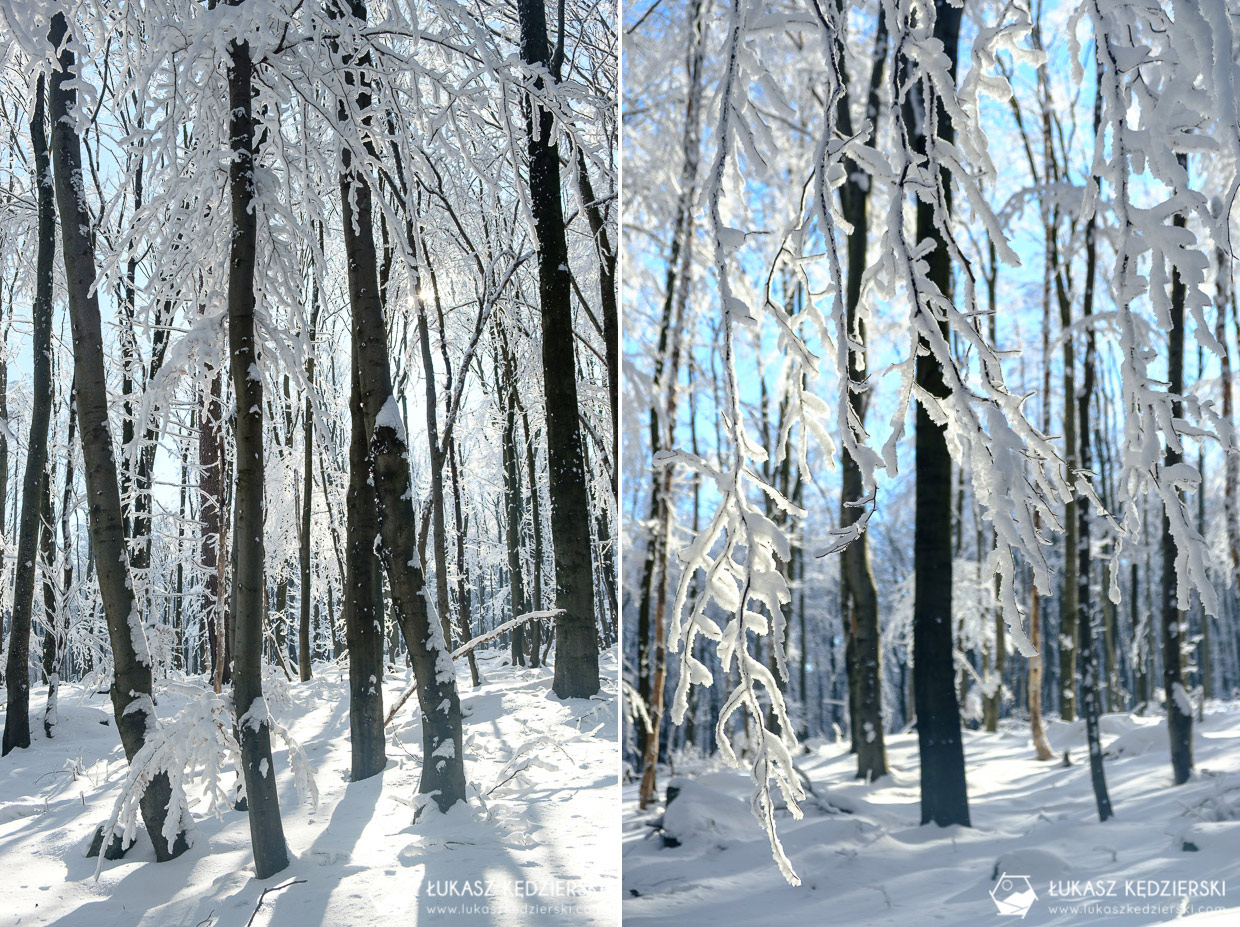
(1013, 895)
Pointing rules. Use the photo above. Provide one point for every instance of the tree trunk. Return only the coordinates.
(249, 601)
(17, 671)
(1179, 716)
(505, 379)
(52, 670)
(131, 680)
(1087, 623)
(865, 641)
(438, 519)
(536, 592)
(443, 769)
(944, 797)
(576, 663)
(611, 336)
(363, 617)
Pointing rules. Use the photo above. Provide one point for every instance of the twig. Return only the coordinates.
(274, 888)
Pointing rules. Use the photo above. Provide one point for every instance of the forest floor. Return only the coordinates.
(863, 859)
(539, 842)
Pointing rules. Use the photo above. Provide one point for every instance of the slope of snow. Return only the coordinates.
(539, 841)
(864, 860)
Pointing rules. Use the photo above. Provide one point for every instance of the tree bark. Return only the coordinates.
(17, 670)
(864, 638)
(363, 617)
(443, 770)
(944, 796)
(1179, 720)
(576, 663)
(131, 688)
(1087, 614)
(52, 667)
(505, 378)
(249, 599)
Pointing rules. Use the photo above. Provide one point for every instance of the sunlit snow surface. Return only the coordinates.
(544, 835)
(863, 859)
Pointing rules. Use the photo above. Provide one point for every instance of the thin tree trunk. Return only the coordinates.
(131, 688)
(50, 711)
(17, 670)
(1087, 623)
(438, 519)
(505, 379)
(1179, 716)
(864, 638)
(536, 593)
(576, 664)
(611, 336)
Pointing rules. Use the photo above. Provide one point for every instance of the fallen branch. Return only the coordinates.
(504, 628)
(465, 648)
(274, 888)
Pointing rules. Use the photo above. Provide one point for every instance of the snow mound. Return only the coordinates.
(697, 812)
(1036, 863)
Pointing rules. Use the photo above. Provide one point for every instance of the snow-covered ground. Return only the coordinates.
(863, 859)
(539, 842)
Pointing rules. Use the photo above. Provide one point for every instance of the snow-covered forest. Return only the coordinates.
(308, 464)
(932, 547)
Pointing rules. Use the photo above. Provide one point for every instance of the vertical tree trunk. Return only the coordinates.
(438, 519)
(463, 608)
(611, 352)
(211, 513)
(576, 663)
(505, 379)
(536, 592)
(1087, 614)
(944, 797)
(1179, 717)
(443, 769)
(682, 236)
(363, 618)
(17, 670)
(1041, 746)
(249, 600)
(864, 638)
(52, 670)
(131, 679)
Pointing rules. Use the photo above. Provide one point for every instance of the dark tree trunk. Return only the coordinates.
(1088, 618)
(443, 770)
(17, 670)
(307, 510)
(864, 641)
(576, 662)
(249, 601)
(682, 235)
(611, 336)
(944, 796)
(536, 592)
(1179, 717)
(131, 680)
(307, 499)
(505, 378)
(363, 618)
